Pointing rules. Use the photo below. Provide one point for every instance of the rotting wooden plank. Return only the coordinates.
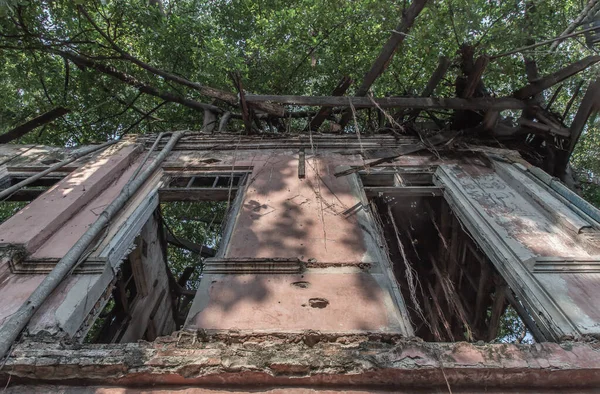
(434, 80)
(497, 310)
(546, 118)
(554, 129)
(452, 297)
(481, 294)
(403, 150)
(572, 99)
(550, 80)
(490, 119)
(438, 308)
(434, 324)
(406, 191)
(301, 164)
(474, 77)
(324, 112)
(479, 103)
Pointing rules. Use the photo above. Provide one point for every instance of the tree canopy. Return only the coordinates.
(298, 47)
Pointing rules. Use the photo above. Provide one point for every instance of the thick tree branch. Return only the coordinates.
(479, 103)
(131, 80)
(227, 97)
(34, 123)
(387, 52)
(548, 81)
(591, 8)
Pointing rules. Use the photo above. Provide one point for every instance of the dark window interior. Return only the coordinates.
(111, 324)
(31, 191)
(452, 291)
(194, 210)
(208, 181)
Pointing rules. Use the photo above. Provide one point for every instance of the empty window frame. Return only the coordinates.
(112, 323)
(452, 290)
(19, 199)
(197, 211)
(217, 186)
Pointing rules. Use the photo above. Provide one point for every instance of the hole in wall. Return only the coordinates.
(318, 303)
(301, 284)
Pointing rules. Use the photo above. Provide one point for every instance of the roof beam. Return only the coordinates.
(324, 112)
(387, 52)
(548, 81)
(479, 103)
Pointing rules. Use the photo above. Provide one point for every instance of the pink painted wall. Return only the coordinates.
(39, 220)
(284, 216)
(52, 223)
(311, 219)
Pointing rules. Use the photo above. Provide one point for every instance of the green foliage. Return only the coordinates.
(292, 47)
(512, 329)
(9, 208)
(199, 222)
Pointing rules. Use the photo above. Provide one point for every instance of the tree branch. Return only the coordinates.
(227, 97)
(131, 80)
(34, 123)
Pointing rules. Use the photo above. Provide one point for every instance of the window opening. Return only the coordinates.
(452, 290)
(19, 200)
(194, 211)
(112, 323)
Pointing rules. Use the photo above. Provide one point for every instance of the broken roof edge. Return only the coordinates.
(307, 359)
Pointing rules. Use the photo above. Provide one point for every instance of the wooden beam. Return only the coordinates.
(324, 112)
(480, 103)
(490, 119)
(497, 310)
(482, 294)
(387, 52)
(441, 69)
(590, 104)
(440, 312)
(433, 141)
(553, 129)
(474, 77)
(548, 81)
(404, 191)
(389, 48)
(34, 123)
(572, 99)
(554, 96)
(452, 297)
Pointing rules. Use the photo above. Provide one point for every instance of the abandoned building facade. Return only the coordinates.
(326, 272)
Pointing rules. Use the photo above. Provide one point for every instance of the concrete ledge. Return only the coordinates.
(308, 359)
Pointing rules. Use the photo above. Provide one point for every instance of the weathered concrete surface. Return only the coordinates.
(40, 219)
(13, 155)
(516, 221)
(43, 389)
(309, 360)
(59, 243)
(320, 301)
(319, 219)
(51, 224)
